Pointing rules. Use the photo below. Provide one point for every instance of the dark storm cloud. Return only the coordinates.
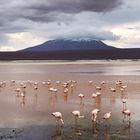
(51, 10)
(43, 8)
(74, 6)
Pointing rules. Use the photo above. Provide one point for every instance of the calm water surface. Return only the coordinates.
(36, 108)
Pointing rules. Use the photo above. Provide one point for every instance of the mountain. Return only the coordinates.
(69, 45)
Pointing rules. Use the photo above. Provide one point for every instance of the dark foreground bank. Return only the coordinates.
(72, 55)
(100, 132)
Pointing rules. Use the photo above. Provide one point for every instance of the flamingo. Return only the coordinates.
(124, 103)
(122, 90)
(24, 86)
(127, 113)
(75, 83)
(44, 83)
(71, 86)
(124, 86)
(107, 115)
(90, 82)
(65, 85)
(66, 90)
(35, 83)
(52, 89)
(2, 84)
(77, 115)
(94, 114)
(94, 95)
(29, 81)
(118, 83)
(98, 88)
(98, 93)
(12, 81)
(18, 90)
(102, 83)
(112, 90)
(81, 96)
(35, 88)
(57, 82)
(58, 117)
(22, 94)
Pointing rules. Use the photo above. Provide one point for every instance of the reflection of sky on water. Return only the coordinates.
(82, 68)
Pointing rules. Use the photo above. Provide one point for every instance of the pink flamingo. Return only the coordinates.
(124, 103)
(98, 93)
(112, 90)
(81, 96)
(94, 115)
(127, 113)
(90, 82)
(58, 117)
(77, 115)
(107, 115)
(94, 95)
(98, 88)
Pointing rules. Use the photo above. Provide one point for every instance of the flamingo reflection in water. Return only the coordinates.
(22, 98)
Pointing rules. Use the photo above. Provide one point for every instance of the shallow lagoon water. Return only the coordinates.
(33, 114)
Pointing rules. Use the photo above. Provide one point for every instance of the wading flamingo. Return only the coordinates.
(126, 113)
(112, 90)
(98, 88)
(107, 115)
(94, 95)
(94, 115)
(58, 117)
(98, 93)
(90, 82)
(124, 103)
(81, 96)
(102, 82)
(77, 115)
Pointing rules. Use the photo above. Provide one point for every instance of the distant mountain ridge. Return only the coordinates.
(65, 45)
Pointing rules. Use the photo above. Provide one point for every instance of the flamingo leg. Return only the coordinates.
(124, 117)
(76, 121)
(129, 118)
(92, 118)
(125, 106)
(59, 123)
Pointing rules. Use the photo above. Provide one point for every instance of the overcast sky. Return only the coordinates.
(25, 23)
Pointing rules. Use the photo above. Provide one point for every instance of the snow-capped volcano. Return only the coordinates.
(65, 45)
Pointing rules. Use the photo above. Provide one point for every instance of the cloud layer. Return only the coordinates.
(52, 19)
(50, 10)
